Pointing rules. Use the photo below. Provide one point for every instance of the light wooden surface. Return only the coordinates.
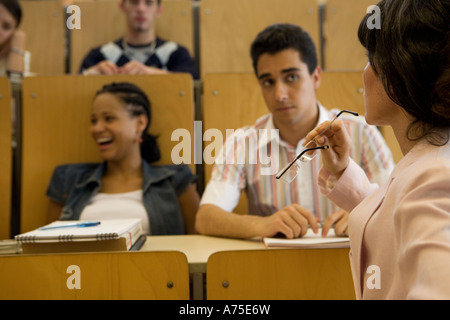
(124, 275)
(342, 49)
(286, 274)
(198, 248)
(227, 29)
(231, 101)
(56, 120)
(342, 90)
(44, 23)
(103, 21)
(5, 157)
(176, 23)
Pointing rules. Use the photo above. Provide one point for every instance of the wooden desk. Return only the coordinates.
(202, 252)
(99, 275)
(198, 248)
(280, 274)
(180, 259)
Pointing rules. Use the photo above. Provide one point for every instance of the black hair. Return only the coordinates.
(278, 37)
(411, 54)
(13, 7)
(137, 103)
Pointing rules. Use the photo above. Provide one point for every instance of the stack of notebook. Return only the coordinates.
(83, 236)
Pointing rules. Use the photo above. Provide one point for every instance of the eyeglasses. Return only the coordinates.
(290, 172)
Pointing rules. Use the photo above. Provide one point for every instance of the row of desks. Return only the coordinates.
(185, 267)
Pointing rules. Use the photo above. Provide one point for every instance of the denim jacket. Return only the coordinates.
(74, 185)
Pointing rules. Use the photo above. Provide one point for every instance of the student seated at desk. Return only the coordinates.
(285, 64)
(125, 185)
(139, 51)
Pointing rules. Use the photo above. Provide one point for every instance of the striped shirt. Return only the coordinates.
(244, 164)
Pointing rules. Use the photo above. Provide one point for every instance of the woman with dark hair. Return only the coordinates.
(13, 57)
(400, 232)
(125, 185)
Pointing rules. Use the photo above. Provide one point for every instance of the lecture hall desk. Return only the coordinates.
(203, 267)
(244, 269)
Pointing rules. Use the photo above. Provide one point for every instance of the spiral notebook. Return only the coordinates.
(108, 235)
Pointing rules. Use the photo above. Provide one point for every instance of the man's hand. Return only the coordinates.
(292, 221)
(135, 67)
(103, 67)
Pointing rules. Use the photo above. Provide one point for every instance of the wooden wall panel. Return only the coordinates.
(227, 29)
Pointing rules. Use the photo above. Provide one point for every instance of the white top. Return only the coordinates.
(117, 206)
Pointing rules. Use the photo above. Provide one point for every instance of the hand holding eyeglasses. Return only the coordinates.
(335, 161)
(334, 135)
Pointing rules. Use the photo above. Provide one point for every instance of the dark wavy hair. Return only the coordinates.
(137, 103)
(411, 55)
(282, 36)
(13, 7)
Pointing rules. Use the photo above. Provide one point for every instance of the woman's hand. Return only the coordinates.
(336, 158)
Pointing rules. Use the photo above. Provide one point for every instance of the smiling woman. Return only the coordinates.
(125, 185)
(123, 111)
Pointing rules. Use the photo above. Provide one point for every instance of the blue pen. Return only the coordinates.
(73, 225)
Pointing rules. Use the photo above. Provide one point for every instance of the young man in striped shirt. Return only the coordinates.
(285, 63)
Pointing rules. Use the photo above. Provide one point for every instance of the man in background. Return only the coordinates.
(139, 51)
